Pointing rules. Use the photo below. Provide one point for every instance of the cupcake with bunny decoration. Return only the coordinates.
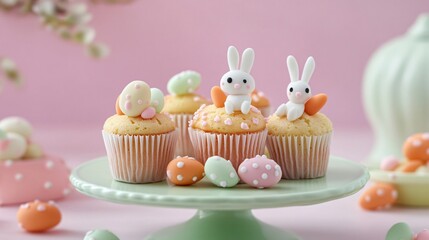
(298, 135)
(231, 127)
(140, 141)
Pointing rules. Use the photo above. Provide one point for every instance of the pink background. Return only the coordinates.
(153, 40)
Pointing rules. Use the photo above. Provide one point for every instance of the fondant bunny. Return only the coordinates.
(238, 84)
(298, 91)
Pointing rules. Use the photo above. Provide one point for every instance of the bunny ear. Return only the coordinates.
(292, 65)
(232, 58)
(308, 69)
(247, 60)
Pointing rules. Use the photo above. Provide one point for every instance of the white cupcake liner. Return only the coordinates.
(233, 147)
(184, 145)
(300, 157)
(139, 159)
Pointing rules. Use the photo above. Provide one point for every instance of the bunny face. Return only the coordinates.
(237, 82)
(298, 92)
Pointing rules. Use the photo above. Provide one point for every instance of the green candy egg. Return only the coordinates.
(157, 99)
(100, 234)
(184, 82)
(221, 172)
(400, 231)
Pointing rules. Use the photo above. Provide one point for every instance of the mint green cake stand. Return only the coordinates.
(223, 214)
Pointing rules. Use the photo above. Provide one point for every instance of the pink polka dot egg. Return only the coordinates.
(260, 172)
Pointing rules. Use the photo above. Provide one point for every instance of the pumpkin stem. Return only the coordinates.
(420, 28)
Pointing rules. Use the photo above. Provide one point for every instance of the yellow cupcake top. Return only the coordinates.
(125, 125)
(259, 100)
(209, 118)
(183, 104)
(306, 125)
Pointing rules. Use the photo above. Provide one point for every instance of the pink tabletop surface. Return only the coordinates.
(339, 219)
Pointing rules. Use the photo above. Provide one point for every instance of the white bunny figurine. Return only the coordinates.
(298, 91)
(238, 84)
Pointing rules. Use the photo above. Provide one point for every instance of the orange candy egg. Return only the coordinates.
(184, 171)
(378, 196)
(315, 103)
(38, 216)
(416, 147)
(117, 108)
(218, 96)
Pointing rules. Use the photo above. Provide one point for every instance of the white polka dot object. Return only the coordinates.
(135, 98)
(260, 172)
(221, 172)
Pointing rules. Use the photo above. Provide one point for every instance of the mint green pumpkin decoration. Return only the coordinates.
(396, 90)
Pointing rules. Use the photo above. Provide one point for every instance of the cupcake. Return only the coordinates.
(230, 128)
(261, 102)
(298, 136)
(181, 105)
(140, 141)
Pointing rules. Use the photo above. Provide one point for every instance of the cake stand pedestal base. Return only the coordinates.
(222, 224)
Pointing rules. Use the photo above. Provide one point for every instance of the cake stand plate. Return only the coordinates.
(222, 213)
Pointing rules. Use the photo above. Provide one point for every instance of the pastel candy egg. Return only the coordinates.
(221, 172)
(16, 125)
(378, 196)
(38, 216)
(423, 235)
(12, 146)
(184, 171)
(416, 147)
(400, 231)
(135, 98)
(389, 163)
(100, 234)
(33, 151)
(260, 172)
(157, 99)
(184, 82)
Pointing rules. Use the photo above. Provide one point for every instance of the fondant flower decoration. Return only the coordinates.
(402, 231)
(237, 83)
(138, 99)
(299, 92)
(184, 82)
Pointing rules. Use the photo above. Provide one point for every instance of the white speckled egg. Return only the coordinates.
(12, 146)
(260, 172)
(221, 172)
(16, 125)
(135, 98)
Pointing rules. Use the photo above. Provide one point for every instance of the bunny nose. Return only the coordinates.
(298, 94)
(236, 86)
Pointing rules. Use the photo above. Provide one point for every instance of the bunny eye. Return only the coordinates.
(307, 90)
(229, 80)
(244, 80)
(291, 89)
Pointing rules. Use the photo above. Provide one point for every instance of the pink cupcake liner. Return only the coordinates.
(300, 157)
(233, 147)
(139, 159)
(184, 145)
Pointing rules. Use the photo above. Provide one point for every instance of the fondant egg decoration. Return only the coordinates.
(33, 151)
(16, 125)
(100, 234)
(315, 103)
(378, 196)
(117, 108)
(38, 216)
(135, 98)
(416, 147)
(423, 235)
(260, 172)
(157, 99)
(12, 146)
(184, 171)
(410, 166)
(184, 82)
(221, 172)
(400, 231)
(218, 96)
(389, 163)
